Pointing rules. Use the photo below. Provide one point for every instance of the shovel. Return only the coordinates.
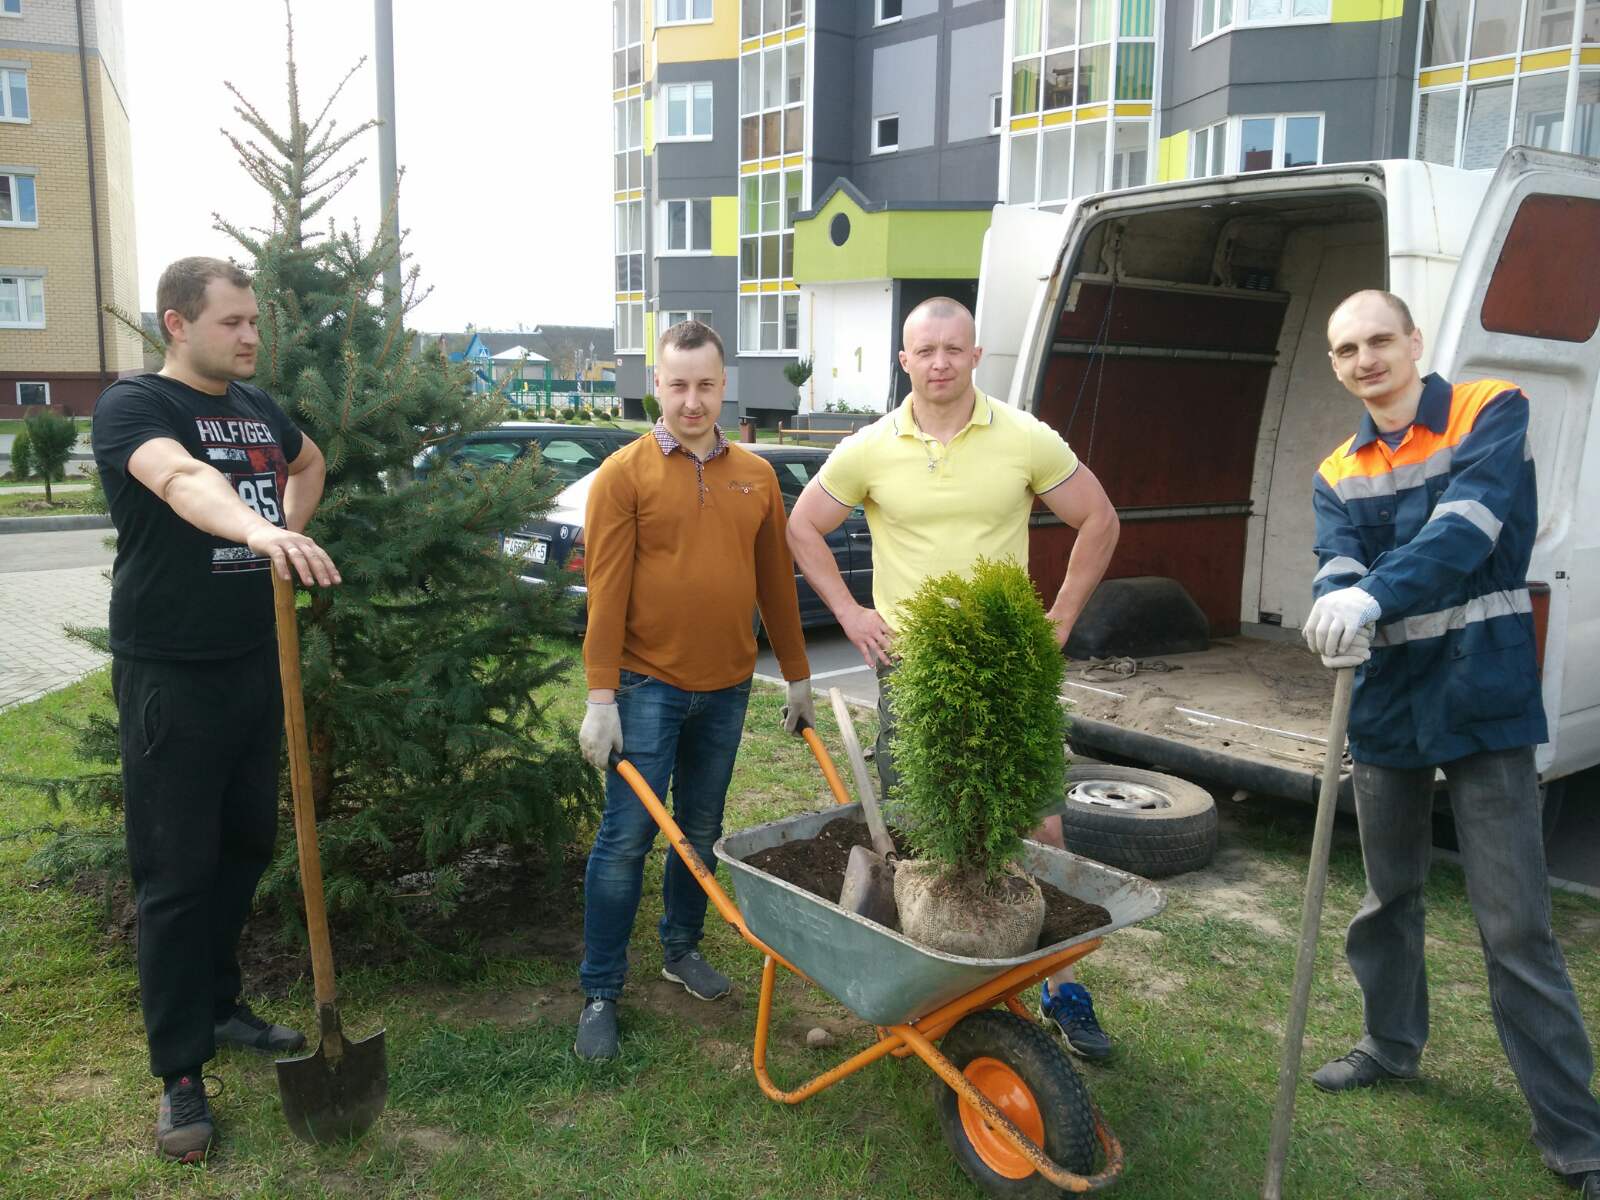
(339, 1089)
(1310, 921)
(869, 876)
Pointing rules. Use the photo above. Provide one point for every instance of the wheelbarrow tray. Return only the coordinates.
(880, 975)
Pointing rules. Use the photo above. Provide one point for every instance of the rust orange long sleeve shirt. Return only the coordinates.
(676, 571)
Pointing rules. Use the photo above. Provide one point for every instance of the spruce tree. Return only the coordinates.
(422, 670)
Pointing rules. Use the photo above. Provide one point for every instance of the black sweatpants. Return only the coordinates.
(200, 745)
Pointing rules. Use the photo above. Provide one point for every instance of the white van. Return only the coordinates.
(1175, 334)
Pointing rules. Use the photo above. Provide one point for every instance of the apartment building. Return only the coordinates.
(800, 173)
(66, 205)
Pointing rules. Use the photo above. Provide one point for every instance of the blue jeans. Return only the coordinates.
(689, 739)
(1495, 797)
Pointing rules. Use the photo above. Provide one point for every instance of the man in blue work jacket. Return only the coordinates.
(1426, 519)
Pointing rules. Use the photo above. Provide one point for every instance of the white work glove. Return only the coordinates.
(799, 707)
(1359, 650)
(601, 734)
(1337, 618)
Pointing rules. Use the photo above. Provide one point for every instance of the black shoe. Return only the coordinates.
(597, 1030)
(184, 1129)
(699, 978)
(1071, 1010)
(1587, 1183)
(250, 1032)
(1358, 1069)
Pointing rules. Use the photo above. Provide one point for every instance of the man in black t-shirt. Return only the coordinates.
(210, 486)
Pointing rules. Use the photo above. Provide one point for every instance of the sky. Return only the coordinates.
(502, 126)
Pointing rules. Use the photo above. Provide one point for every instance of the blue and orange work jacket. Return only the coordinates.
(1439, 530)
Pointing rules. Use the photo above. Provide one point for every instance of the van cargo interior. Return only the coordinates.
(1189, 370)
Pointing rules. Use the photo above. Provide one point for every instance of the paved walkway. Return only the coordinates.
(36, 655)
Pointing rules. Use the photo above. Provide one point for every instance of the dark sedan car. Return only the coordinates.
(571, 451)
(552, 548)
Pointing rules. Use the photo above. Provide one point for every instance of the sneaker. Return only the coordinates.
(1358, 1069)
(1071, 1010)
(703, 981)
(597, 1030)
(184, 1130)
(250, 1032)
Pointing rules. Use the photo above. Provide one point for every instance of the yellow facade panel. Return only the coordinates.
(1172, 157)
(700, 41)
(1024, 123)
(1135, 110)
(725, 225)
(1489, 70)
(1547, 60)
(1092, 112)
(1442, 75)
(1057, 118)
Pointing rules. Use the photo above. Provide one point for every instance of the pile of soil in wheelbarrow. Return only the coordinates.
(817, 865)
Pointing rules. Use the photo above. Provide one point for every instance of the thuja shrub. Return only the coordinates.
(979, 730)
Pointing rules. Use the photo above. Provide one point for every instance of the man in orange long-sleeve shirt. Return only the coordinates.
(684, 538)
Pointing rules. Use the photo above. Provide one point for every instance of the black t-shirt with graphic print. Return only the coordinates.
(178, 592)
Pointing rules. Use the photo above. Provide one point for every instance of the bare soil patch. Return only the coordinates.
(817, 865)
(512, 905)
(1234, 887)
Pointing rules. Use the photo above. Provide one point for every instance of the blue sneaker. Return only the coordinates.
(1071, 1010)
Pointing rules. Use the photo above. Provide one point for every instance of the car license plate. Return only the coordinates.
(535, 550)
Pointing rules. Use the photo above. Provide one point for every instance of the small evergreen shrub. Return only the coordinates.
(51, 438)
(21, 455)
(652, 410)
(979, 730)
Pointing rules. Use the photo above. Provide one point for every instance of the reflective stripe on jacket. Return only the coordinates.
(1439, 531)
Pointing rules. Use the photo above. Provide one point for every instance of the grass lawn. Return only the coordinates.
(486, 1098)
(32, 504)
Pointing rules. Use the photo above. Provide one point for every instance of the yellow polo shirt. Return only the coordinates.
(934, 508)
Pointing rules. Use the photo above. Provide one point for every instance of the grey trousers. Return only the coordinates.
(1495, 797)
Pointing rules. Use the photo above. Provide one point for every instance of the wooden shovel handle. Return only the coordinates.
(305, 812)
(882, 842)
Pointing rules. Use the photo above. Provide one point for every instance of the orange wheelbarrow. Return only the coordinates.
(1014, 1112)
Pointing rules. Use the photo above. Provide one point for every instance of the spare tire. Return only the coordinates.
(1139, 821)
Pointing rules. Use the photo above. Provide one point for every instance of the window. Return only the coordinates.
(627, 47)
(630, 328)
(769, 324)
(888, 10)
(682, 12)
(13, 94)
(686, 227)
(1208, 151)
(33, 393)
(771, 101)
(1212, 17)
(630, 246)
(676, 316)
(997, 116)
(770, 16)
(685, 112)
(1267, 143)
(885, 134)
(17, 204)
(21, 301)
(1543, 285)
(12, 8)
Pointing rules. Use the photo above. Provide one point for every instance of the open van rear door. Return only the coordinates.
(1020, 250)
(1525, 306)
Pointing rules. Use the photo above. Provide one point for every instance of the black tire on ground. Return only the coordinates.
(1139, 821)
(1059, 1095)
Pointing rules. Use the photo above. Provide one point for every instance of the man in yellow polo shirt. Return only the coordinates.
(947, 477)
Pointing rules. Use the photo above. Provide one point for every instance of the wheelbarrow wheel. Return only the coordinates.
(1025, 1073)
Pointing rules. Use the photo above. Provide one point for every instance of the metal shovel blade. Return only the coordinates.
(869, 887)
(338, 1090)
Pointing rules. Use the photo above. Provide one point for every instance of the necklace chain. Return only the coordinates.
(933, 463)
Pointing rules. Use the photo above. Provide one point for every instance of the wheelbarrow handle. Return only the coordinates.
(305, 812)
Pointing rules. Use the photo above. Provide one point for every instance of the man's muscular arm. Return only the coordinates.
(202, 496)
